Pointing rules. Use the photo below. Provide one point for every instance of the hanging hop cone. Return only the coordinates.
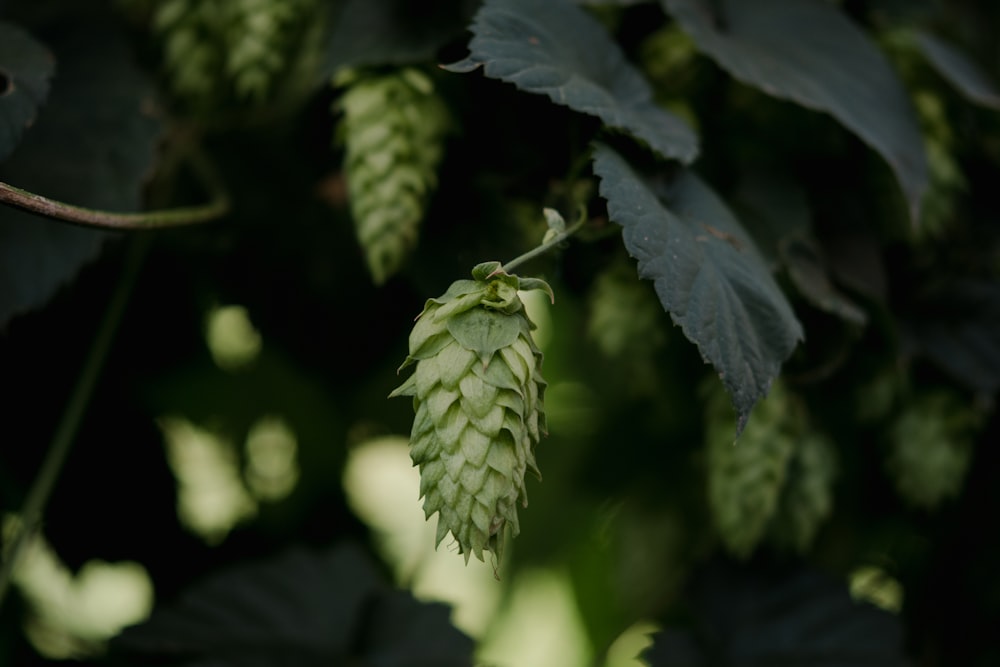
(477, 394)
(216, 51)
(931, 443)
(393, 129)
(775, 482)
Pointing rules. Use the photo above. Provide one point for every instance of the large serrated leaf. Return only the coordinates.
(299, 608)
(808, 52)
(793, 617)
(708, 274)
(92, 145)
(555, 48)
(967, 77)
(25, 69)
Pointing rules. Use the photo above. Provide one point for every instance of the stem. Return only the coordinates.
(174, 217)
(41, 488)
(545, 247)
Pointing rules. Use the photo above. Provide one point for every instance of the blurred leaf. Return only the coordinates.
(25, 69)
(808, 52)
(707, 272)
(793, 617)
(298, 608)
(91, 146)
(404, 632)
(783, 231)
(957, 326)
(967, 77)
(393, 32)
(555, 48)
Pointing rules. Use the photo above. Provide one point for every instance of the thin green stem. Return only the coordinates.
(544, 247)
(174, 217)
(41, 488)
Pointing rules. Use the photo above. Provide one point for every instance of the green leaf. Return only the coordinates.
(25, 69)
(707, 272)
(967, 77)
(298, 608)
(788, 615)
(780, 219)
(392, 32)
(555, 48)
(808, 52)
(92, 145)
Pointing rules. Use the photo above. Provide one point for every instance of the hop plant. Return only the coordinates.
(477, 393)
(213, 49)
(930, 447)
(775, 482)
(393, 129)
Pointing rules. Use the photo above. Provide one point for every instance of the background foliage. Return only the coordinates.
(790, 234)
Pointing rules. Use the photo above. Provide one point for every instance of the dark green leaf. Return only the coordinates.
(956, 325)
(707, 272)
(299, 608)
(92, 146)
(404, 632)
(780, 220)
(555, 48)
(793, 617)
(392, 32)
(965, 75)
(25, 69)
(807, 51)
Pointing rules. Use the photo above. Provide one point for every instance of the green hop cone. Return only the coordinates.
(393, 129)
(217, 51)
(930, 447)
(477, 393)
(626, 322)
(746, 477)
(807, 498)
(775, 482)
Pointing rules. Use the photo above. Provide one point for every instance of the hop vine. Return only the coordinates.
(393, 130)
(477, 393)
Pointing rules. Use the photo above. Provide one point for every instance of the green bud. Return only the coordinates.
(477, 393)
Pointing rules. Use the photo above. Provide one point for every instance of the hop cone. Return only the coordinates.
(746, 477)
(626, 323)
(930, 447)
(477, 394)
(775, 482)
(219, 49)
(807, 499)
(393, 130)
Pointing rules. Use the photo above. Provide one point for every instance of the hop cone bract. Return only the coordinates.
(393, 130)
(477, 393)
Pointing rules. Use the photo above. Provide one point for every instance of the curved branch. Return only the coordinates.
(173, 217)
